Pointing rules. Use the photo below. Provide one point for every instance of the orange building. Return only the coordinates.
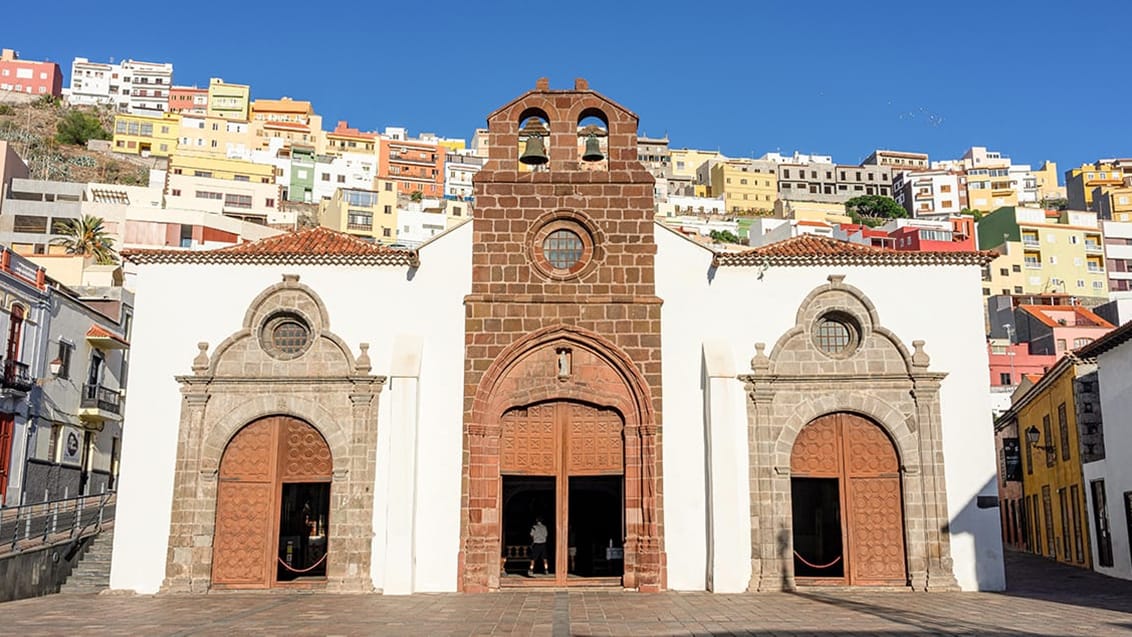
(344, 139)
(415, 166)
(188, 100)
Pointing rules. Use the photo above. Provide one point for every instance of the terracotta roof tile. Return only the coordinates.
(816, 250)
(1103, 344)
(313, 246)
(97, 331)
(1042, 313)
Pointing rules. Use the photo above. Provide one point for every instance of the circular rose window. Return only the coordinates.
(285, 336)
(562, 249)
(836, 333)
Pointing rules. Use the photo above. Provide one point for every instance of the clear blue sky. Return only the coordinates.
(1035, 80)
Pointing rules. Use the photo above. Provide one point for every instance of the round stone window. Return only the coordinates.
(836, 334)
(562, 249)
(286, 336)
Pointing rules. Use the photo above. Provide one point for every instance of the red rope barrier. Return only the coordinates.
(803, 560)
(305, 570)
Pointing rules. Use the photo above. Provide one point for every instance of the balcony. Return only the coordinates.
(1093, 247)
(1095, 268)
(17, 377)
(100, 403)
(360, 226)
(1030, 242)
(1033, 265)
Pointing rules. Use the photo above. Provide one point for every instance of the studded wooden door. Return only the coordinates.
(257, 461)
(862, 458)
(562, 439)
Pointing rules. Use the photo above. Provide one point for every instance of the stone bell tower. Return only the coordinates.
(563, 312)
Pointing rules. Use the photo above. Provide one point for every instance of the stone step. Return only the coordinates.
(92, 573)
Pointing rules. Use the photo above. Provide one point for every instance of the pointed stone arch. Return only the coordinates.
(875, 376)
(526, 373)
(312, 377)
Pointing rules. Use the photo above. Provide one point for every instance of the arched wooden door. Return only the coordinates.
(563, 441)
(857, 456)
(258, 461)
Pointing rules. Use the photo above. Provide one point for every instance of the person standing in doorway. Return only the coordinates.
(538, 547)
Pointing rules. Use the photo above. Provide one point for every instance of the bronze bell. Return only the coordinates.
(534, 154)
(593, 149)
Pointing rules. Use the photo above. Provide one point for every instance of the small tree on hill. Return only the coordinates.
(724, 236)
(874, 210)
(78, 128)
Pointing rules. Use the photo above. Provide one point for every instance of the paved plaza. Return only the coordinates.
(1044, 599)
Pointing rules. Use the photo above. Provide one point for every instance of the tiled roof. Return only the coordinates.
(314, 246)
(97, 331)
(1114, 338)
(1042, 313)
(815, 250)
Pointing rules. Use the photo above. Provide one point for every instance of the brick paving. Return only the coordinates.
(1043, 599)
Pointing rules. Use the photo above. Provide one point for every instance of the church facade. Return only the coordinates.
(316, 411)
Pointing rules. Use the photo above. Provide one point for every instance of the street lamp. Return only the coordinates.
(1032, 437)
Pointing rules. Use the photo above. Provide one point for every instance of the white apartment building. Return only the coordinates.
(459, 168)
(768, 230)
(797, 158)
(927, 194)
(132, 86)
(344, 170)
(676, 205)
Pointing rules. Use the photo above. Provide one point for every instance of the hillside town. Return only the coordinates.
(971, 316)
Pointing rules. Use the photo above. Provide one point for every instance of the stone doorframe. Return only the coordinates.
(324, 385)
(528, 372)
(879, 380)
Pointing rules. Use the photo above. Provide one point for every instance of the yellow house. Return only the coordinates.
(685, 161)
(819, 211)
(1050, 415)
(1046, 178)
(1114, 204)
(215, 136)
(233, 187)
(146, 136)
(745, 189)
(228, 101)
(366, 214)
(1006, 274)
(989, 188)
(1062, 252)
(293, 121)
(1080, 183)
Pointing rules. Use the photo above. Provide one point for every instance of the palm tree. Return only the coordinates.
(87, 237)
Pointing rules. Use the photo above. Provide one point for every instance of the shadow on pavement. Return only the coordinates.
(1033, 577)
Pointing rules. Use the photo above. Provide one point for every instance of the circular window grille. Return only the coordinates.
(562, 249)
(286, 336)
(836, 334)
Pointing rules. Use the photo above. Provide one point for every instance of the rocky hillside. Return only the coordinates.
(30, 129)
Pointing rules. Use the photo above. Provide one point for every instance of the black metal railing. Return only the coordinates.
(101, 397)
(17, 376)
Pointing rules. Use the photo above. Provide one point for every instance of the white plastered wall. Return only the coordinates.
(745, 305)
(179, 305)
(1115, 380)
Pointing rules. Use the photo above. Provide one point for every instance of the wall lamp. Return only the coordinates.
(1032, 437)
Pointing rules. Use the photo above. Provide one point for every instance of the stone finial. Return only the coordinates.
(542, 84)
(580, 84)
(200, 363)
(920, 358)
(362, 366)
(836, 280)
(290, 278)
(760, 362)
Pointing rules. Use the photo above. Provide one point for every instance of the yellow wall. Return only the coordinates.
(335, 213)
(1072, 255)
(228, 101)
(214, 135)
(1007, 272)
(1047, 181)
(221, 168)
(685, 161)
(744, 191)
(1080, 182)
(1060, 473)
(987, 191)
(135, 134)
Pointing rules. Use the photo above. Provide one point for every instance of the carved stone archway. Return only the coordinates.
(875, 377)
(529, 372)
(303, 371)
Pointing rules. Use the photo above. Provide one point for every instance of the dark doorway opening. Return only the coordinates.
(526, 499)
(818, 545)
(596, 535)
(303, 515)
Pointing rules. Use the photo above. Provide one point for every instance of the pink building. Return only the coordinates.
(1009, 362)
(28, 77)
(1055, 329)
